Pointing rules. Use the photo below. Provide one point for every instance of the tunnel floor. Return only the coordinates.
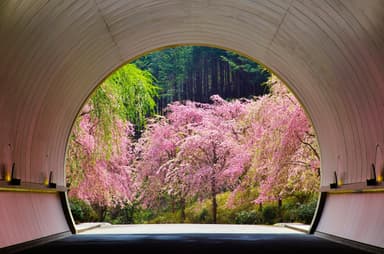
(260, 241)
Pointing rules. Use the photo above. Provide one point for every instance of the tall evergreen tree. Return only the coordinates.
(196, 73)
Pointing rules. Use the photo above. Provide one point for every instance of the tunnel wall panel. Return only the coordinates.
(358, 217)
(27, 216)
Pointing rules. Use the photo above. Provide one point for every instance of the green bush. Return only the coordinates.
(142, 216)
(199, 215)
(306, 211)
(270, 214)
(249, 217)
(167, 217)
(203, 215)
(81, 211)
(300, 207)
(289, 215)
(127, 214)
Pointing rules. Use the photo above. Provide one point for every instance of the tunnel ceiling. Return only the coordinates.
(54, 53)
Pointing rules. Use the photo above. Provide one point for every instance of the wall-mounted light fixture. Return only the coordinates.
(379, 163)
(8, 176)
(334, 185)
(46, 181)
(338, 182)
(373, 180)
(50, 183)
(14, 181)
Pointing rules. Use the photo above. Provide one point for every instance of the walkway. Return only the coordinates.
(106, 228)
(191, 238)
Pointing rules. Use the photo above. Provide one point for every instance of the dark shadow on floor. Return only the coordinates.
(192, 243)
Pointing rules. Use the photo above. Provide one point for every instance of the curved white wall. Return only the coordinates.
(54, 53)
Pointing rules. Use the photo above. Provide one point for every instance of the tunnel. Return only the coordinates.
(53, 54)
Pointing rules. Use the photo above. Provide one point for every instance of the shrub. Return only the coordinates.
(81, 211)
(203, 215)
(306, 211)
(300, 207)
(249, 217)
(166, 217)
(270, 214)
(198, 212)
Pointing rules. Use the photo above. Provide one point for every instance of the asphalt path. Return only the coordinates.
(191, 238)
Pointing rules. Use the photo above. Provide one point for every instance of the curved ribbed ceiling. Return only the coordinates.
(55, 53)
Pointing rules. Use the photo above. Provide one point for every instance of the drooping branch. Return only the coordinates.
(85, 112)
(310, 146)
(298, 163)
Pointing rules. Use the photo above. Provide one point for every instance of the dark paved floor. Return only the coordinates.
(192, 243)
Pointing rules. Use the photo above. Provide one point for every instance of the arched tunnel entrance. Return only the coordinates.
(55, 53)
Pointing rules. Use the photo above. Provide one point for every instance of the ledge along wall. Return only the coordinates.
(54, 54)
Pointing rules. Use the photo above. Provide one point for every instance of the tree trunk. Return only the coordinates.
(173, 206)
(182, 207)
(101, 212)
(214, 208)
(214, 77)
(129, 211)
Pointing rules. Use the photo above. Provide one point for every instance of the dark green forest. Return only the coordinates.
(195, 73)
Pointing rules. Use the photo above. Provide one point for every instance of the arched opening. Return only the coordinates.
(283, 159)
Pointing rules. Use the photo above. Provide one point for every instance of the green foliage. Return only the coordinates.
(167, 217)
(224, 213)
(170, 67)
(201, 211)
(81, 211)
(129, 214)
(196, 73)
(249, 217)
(128, 94)
(270, 214)
(306, 211)
(240, 63)
(132, 94)
(74, 160)
(143, 216)
(203, 215)
(300, 207)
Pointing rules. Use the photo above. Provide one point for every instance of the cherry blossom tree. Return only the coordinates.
(156, 147)
(103, 180)
(285, 152)
(100, 151)
(194, 151)
(159, 171)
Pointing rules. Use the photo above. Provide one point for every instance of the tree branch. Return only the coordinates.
(310, 146)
